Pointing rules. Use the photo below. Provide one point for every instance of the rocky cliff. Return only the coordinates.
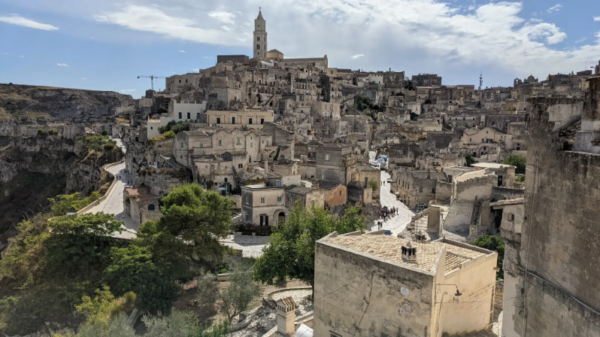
(37, 168)
(20, 103)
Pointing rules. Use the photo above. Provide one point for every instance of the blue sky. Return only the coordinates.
(105, 45)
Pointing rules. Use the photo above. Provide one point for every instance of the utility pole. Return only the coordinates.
(151, 77)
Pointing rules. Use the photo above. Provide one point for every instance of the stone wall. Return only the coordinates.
(443, 192)
(560, 270)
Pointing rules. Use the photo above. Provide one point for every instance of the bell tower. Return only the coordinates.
(260, 37)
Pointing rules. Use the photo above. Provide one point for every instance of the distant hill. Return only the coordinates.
(25, 102)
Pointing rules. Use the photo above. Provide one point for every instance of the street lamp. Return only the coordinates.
(458, 293)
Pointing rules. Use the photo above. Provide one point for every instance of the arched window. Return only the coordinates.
(151, 207)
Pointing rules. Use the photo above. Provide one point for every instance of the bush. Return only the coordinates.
(42, 133)
(105, 133)
(516, 160)
(53, 132)
(175, 127)
(495, 243)
(110, 145)
(373, 185)
(469, 159)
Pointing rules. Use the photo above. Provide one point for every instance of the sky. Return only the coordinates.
(106, 45)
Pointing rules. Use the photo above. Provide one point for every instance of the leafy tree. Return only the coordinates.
(516, 160)
(469, 159)
(233, 300)
(81, 244)
(132, 269)
(495, 243)
(193, 222)
(70, 203)
(291, 252)
(104, 306)
(374, 185)
(175, 126)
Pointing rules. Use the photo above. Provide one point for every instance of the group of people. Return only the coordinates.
(386, 214)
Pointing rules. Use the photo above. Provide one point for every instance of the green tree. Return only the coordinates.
(132, 269)
(79, 245)
(104, 306)
(374, 185)
(516, 160)
(233, 300)
(70, 203)
(291, 252)
(193, 222)
(469, 159)
(495, 243)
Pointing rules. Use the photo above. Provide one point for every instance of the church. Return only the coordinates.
(259, 45)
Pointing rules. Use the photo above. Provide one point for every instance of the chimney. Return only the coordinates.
(286, 317)
(409, 253)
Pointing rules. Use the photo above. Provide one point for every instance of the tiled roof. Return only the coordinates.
(389, 248)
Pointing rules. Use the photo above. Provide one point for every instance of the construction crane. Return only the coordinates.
(151, 77)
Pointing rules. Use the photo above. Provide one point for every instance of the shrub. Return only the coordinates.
(42, 133)
(516, 160)
(373, 184)
(495, 243)
(53, 132)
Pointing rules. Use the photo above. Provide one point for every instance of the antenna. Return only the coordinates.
(480, 80)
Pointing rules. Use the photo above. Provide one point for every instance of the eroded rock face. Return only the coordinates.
(23, 102)
(37, 168)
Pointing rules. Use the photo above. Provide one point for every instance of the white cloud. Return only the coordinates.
(581, 40)
(21, 56)
(224, 17)
(415, 36)
(126, 91)
(151, 19)
(24, 22)
(182, 51)
(597, 18)
(196, 70)
(357, 56)
(62, 64)
(554, 8)
(84, 78)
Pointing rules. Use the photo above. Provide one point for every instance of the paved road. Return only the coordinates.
(251, 246)
(399, 222)
(113, 204)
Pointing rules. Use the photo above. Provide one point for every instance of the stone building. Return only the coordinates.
(335, 163)
(141, 205)
(251, 118)
(554, 285)
(426, 80)
(415, 188)
(379, 285)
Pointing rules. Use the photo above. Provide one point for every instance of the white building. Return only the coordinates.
(179, 112)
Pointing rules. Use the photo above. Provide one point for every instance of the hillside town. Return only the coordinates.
(433, 170)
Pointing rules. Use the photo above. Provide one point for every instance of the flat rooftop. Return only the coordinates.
(491, 165)
(389, 248)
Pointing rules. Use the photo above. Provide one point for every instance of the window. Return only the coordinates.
(189, 116)
(240, 165)
(151, 128)
(186, 80)
(249, 120)
(232, 120)
(257, 46)
(433, 190)
(278, 199)
(220, 142)
(511, 217)
(201, 145)
(218, 120)
(268, 143)
(251, 144)
(258, 38)
(322, 177)
(180, 115)
(327, 157)
(238, 141)
(262, 121)
(262, 200)
(340, 192)
(182, 145)
(179, 81)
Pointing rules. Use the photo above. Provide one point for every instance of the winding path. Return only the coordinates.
(113, 203)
